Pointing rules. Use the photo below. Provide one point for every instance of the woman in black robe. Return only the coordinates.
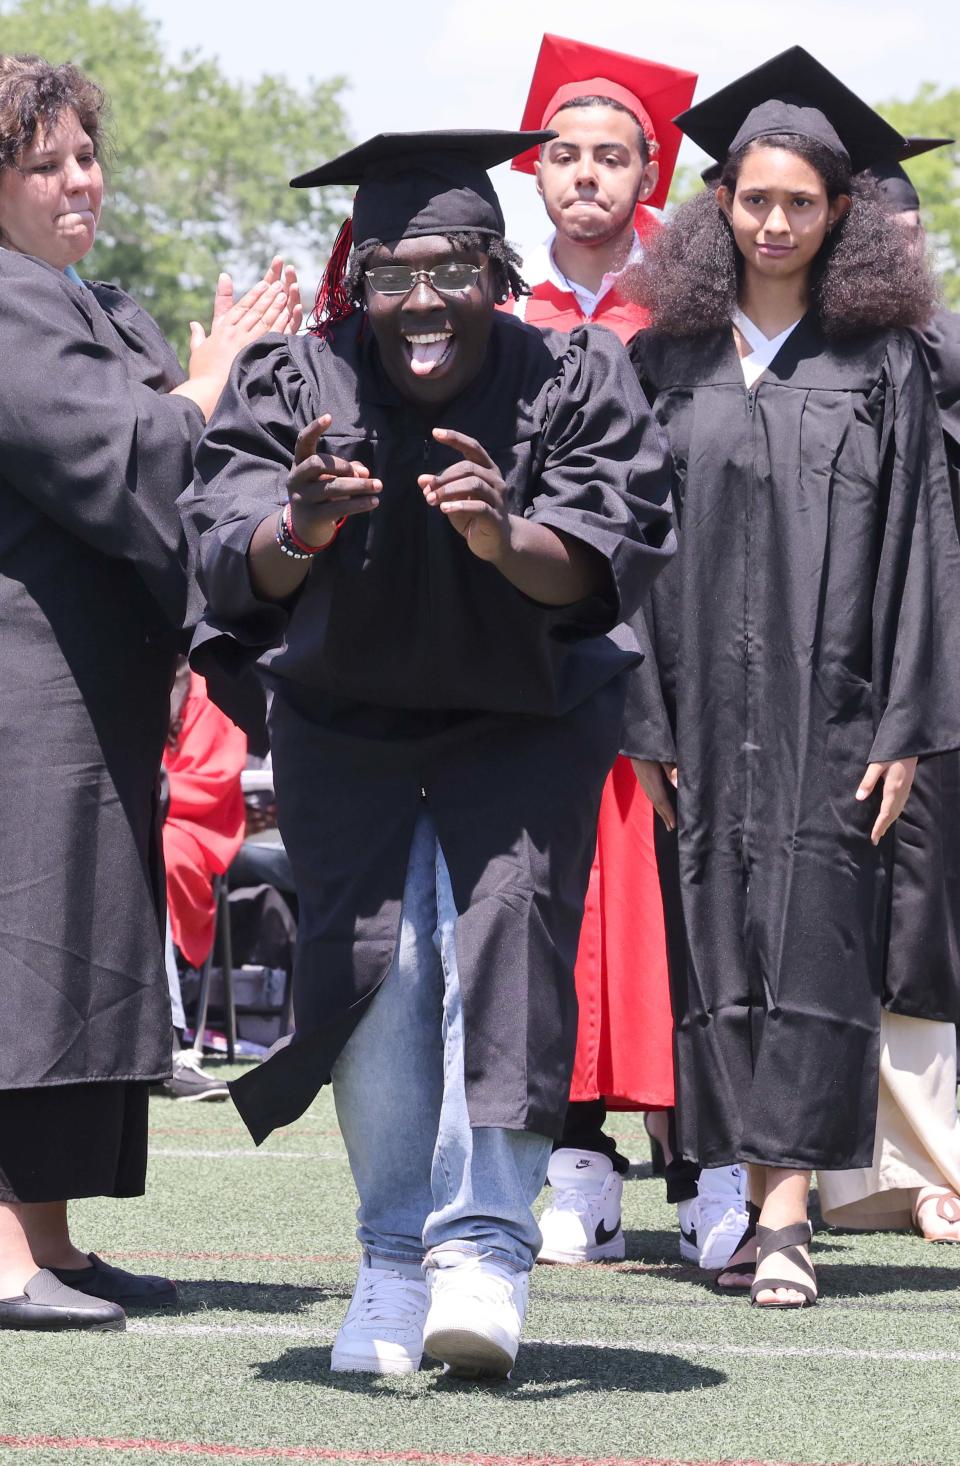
(807, 636)
(97, 432)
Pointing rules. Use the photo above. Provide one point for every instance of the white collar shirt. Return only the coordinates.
(540, 266)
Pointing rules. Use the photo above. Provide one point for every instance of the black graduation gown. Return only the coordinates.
(808, 625)
(408, 669)
(92, 579)
(922, 978)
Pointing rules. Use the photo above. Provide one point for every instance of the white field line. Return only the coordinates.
(646, 1346)
(169, 1151)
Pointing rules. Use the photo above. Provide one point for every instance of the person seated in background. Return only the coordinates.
(202, 832)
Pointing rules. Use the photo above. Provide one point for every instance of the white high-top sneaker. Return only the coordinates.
(582, 1222)
(383, 1330)
(477, 1308)
(721, 1214)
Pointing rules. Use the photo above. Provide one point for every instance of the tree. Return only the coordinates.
(197, 165)
(936, 175)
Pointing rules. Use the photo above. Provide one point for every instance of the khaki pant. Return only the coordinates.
(918, 1133)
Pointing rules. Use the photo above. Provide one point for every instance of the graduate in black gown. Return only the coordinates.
(807, 635)
(914, 1179)
(97, 431)
(440, 519)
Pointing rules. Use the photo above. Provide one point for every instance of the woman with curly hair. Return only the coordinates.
(97, 432)
(806, 638)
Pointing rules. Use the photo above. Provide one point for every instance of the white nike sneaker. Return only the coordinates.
(383, 1330)
(721, 1214)
(477, 1308)
(688, 1217)
(582, 1222)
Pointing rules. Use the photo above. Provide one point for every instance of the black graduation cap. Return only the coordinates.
(895, 184)
(793, 94)
(416, 183)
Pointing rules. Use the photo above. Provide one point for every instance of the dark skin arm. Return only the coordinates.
(552, 568)
(322, 490)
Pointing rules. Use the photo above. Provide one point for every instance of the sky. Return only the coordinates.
(467, 63)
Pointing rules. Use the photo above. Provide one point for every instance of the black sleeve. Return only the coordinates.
(240, 479)
(916, 612)
(647, 726)
(92, 448)
(603, 468)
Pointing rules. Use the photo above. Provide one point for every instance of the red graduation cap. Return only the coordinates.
(654, 93)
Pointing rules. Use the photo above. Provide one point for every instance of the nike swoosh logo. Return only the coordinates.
(690, 1236)
(606, 1234)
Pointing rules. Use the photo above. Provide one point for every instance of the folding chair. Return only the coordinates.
(221, 935)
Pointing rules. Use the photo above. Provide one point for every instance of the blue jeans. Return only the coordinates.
(425, 1179)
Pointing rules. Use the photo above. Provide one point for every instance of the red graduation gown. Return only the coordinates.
(625, 1032)
(205, 825)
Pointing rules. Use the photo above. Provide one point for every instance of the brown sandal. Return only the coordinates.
(947, 1209)
(786, 1242)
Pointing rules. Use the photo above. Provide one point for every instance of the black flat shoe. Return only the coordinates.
(130, 1290)
(47, 1304)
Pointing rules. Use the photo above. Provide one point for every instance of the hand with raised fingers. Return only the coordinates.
(273, 304)
(324, 489)
(653, 778)
(472, 494)
(898, 776)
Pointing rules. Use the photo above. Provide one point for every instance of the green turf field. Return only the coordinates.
(634, 1362)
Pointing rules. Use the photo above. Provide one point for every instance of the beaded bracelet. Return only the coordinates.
(290, 542)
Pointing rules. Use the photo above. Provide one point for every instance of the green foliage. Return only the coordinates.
(933, 113)
(198, 167)
(685, 184)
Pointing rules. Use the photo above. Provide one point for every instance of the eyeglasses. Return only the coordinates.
(449, 279)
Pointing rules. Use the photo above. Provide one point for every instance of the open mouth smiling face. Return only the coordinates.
(430, 305)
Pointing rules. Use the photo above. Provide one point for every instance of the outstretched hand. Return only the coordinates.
(324, 489)
(472, 494)
(898, 776)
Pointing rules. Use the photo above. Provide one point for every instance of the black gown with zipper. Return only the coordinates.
(808, 625)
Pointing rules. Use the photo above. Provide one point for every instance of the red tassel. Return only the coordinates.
(332, 303)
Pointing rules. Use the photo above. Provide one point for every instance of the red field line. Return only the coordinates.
(222, 1450)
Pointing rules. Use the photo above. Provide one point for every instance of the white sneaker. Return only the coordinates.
(477, 1308)
(383, 1330)
(687, 1216)
(582, 1222)
(721, 1214)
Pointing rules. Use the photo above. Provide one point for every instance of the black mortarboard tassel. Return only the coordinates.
(792, 94)
(895, 184)
(411, 184)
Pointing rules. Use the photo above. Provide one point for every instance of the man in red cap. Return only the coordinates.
(609, 166)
